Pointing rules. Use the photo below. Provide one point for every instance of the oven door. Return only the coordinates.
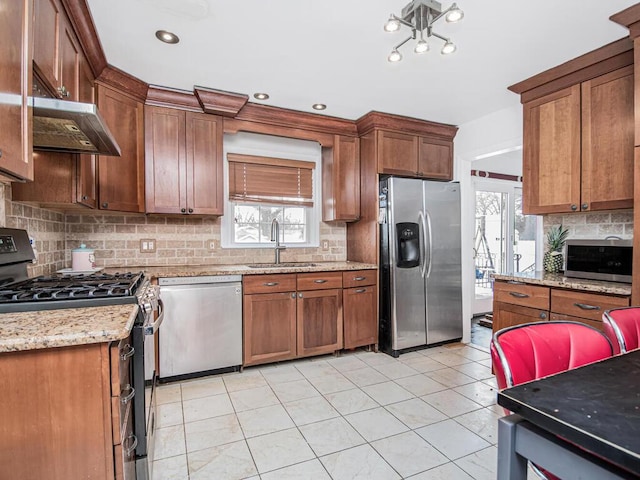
(146, 380)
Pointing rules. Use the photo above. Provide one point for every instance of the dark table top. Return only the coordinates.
(596, 407)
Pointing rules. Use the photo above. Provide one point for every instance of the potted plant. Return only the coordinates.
(553, 258)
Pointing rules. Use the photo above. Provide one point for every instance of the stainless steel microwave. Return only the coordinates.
(608, 260)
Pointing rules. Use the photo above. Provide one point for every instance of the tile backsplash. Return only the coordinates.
(594, 225)
(116, 239)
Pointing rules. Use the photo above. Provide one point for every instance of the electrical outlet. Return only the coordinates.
(211, 245)
(147, 245)
(325, 245)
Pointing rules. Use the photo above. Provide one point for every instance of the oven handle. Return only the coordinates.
(153, 328)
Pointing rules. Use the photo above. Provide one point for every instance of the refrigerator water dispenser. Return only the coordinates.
(408, 237)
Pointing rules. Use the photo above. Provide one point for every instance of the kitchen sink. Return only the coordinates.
(282, 265)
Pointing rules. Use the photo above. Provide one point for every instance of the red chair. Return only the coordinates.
(622, 326)
(526, 352)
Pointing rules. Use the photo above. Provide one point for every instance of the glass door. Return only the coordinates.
(504, 238)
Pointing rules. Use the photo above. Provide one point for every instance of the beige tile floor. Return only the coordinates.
(430, 414)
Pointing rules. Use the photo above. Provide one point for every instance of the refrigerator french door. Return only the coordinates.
(420, 264)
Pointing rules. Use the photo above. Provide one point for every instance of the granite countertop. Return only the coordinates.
(201, 270)
(65, 327)
(560, 281)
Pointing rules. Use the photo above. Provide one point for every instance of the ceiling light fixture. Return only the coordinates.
(261, 96)
(419, 16)
(167, 37)
(318, 106)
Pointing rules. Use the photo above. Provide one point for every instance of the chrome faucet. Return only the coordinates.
(275, 237)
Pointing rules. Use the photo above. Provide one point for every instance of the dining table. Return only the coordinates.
(583, 423)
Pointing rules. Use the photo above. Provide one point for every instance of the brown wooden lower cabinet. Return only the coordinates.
(319, 322)
(56, 415)
(507, 315)
(360, 316)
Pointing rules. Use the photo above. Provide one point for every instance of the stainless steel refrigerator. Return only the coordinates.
(420, 266)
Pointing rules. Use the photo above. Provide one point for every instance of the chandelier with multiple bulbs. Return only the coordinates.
(419, 16)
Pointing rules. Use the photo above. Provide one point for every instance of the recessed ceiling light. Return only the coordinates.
(318, 106)
(261, 96)
(167, 37)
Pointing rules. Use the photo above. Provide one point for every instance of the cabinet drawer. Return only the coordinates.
(586, 305)
(319, 281)
(532, 296)
(269, 283)
(357, 278)
(120, 355)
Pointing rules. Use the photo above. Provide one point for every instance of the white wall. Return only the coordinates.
(495, 142)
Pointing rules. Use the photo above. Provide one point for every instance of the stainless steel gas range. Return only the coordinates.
(18, 293)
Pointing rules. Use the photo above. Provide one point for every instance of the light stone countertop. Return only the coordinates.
(560, 281)
(201, 270)
(65, 327)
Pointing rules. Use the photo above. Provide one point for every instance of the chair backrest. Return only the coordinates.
(534, 350)
(622, 326)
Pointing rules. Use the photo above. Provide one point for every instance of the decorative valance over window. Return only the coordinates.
(270, 180)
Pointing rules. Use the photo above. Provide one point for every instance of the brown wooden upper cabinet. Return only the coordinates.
(414, 155)
(578, 146)
(183, 162)
(15, 83)
(341, 180)
(56, 54)
(121, 179)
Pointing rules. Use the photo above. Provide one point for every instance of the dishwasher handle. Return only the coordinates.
(150, 329)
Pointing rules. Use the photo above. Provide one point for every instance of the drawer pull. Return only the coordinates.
(126, 399)
(320, 281)
(361, 290)
(133, 440)
(359, 279)
(129, 353)
(515, 282)
(585, 306)
(518, 295)
(270, 284)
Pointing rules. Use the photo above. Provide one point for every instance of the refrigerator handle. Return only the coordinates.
(423, 245)
(430, 246)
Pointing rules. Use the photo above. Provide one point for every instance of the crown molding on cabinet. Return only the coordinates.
(387, 121)
(173, 98)
(123, 82)
(629, 18)
(608, 58)
(219, 102)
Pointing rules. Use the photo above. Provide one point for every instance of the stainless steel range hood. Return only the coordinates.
(63, 126)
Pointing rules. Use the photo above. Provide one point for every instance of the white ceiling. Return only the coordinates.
(334, 51)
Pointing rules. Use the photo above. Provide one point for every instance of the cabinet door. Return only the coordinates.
(87, 192)
(121, 179)
(47, 17)
(204, 177)
(319, 322)
(551, 155)
(397, 153)
(165, 165)
(507, 315)
(15, 84)
(608, 141)
(69, 64)
(269, 327)
(360, 316)
(435, 159)
(341, 180)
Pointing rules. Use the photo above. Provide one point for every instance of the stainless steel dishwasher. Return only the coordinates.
(202, 328)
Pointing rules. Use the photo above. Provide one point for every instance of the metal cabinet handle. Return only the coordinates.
(183, 210)
(585, 306)
(105, 205)
(127, 354)
(84, 197)
(134, 443)
(127, 398)
(359, 279)
(574, 207)
(293, 295)
(191, 210)
(299, 295)
(270, 284)
(585, 206)
(515, 282)
(361, 290)
(320, 281)
(543, 315)
(518, 295)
